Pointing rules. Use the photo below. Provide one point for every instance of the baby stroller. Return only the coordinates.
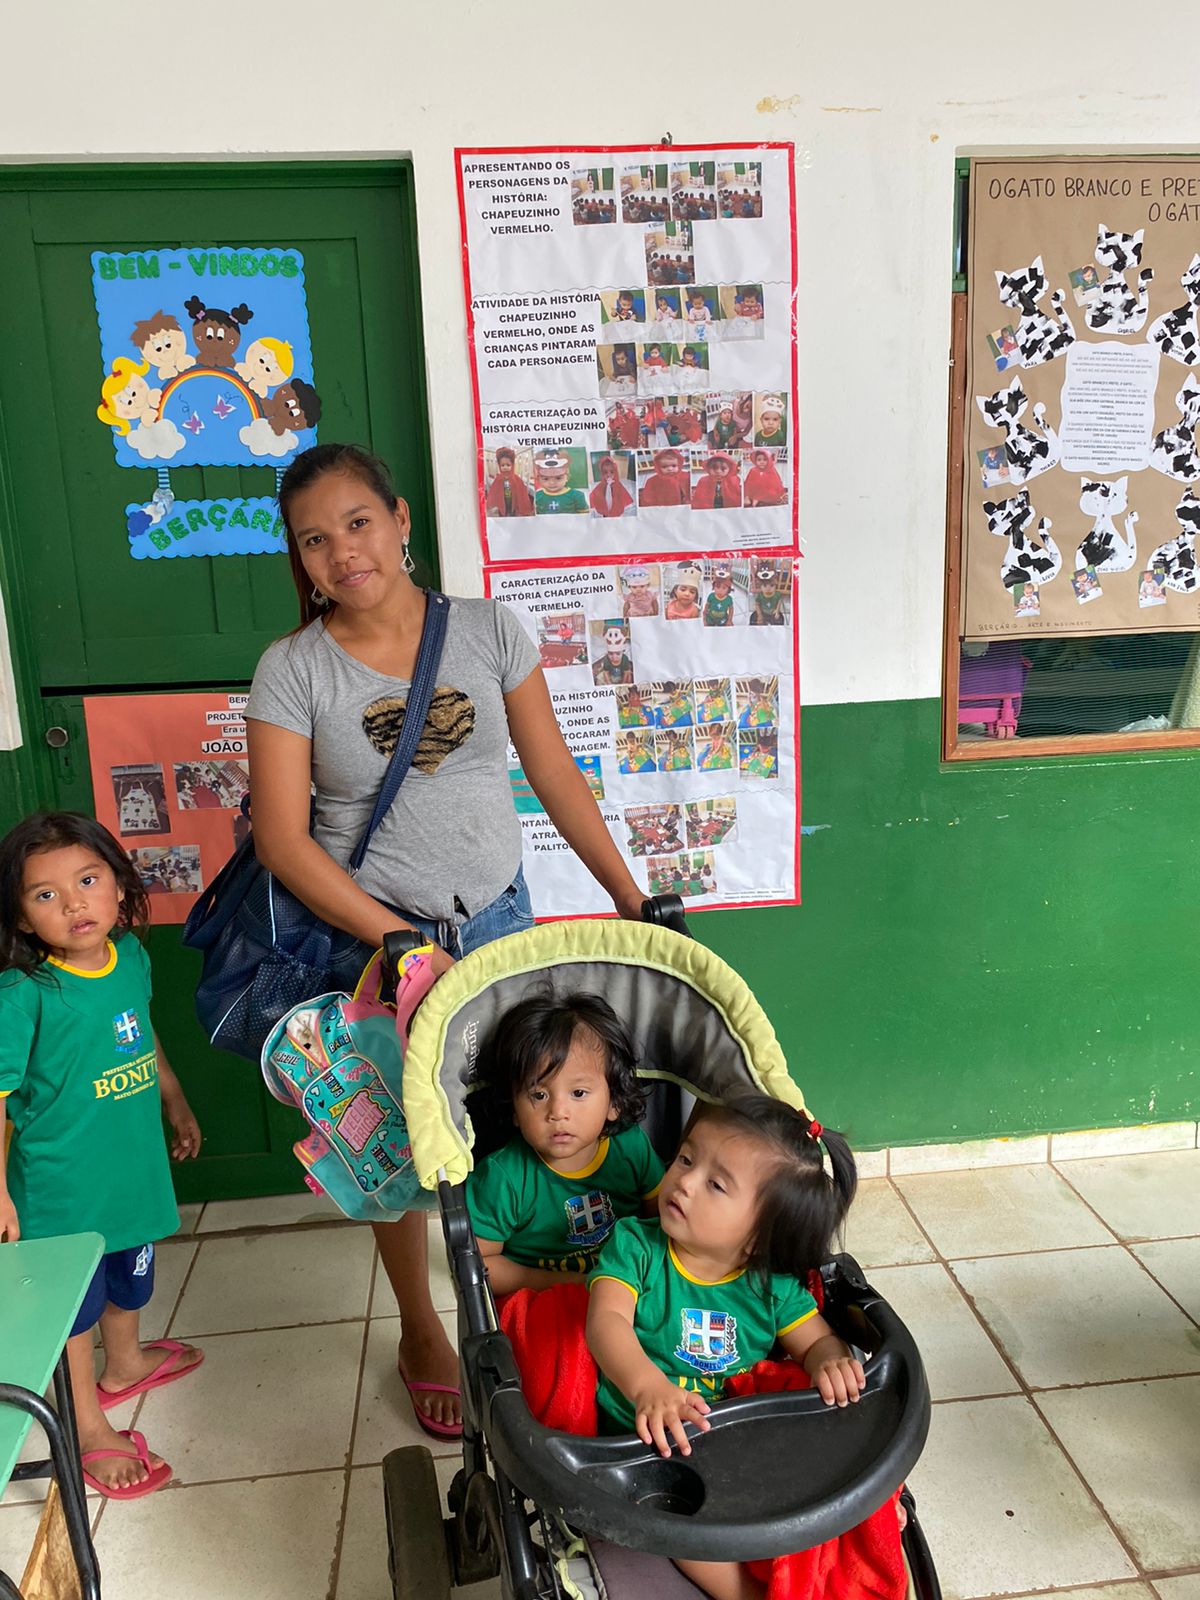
(777, 1473)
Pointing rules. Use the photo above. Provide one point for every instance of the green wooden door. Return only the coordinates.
(88, 618)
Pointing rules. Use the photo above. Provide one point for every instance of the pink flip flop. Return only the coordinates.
(167, 1370)
(159, 1476)
(436, 1430)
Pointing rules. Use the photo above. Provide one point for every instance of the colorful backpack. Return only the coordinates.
(340, 1060)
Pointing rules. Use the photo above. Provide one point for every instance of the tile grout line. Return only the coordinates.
(335, 1567)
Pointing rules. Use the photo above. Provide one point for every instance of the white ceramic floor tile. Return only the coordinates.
(18, 1528)
(1098, 1320)
(1092, 1142)
(189, 1216)
(441, 1285)
(385, 1413)
(1138, 1446)
(1000, 1209)
(1001, 1507)
(1176, 1265)
(1143, 1197)
(879, 1230)
(171, 1263)
(277, 1279)
(271, 1211)
(1103, 1591)
(960, 1360)
(269, 1540)
(1185, 1588)
(871, 1164)
(262, 1402)
(362, 1572)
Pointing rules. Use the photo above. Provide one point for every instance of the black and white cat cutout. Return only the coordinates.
(1174, 450)
(1027, 453)
(1176, 333)
(1039, 337)
(1103, 547)
(1177, 557)
(1117, 308)
(1030, 557)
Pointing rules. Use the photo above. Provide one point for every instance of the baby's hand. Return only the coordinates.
(840, 1379)
(10, 1228)
(662, 1408)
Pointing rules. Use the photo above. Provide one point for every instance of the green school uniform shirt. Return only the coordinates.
(698, 1333)
(80, 1075)
(559, 1220)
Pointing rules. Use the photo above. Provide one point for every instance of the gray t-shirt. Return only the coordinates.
(452, 831)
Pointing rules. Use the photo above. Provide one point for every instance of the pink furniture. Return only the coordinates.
(990, 687)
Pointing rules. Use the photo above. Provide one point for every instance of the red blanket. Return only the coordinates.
(558, 1376)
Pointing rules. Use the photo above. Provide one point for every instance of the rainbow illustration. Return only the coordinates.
(226, 375)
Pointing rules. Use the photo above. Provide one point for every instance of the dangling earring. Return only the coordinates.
(409, 564)
(319, 599)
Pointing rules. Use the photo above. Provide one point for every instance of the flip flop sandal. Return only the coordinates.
(158, 1479)
(435, 1429)
(164, 1372)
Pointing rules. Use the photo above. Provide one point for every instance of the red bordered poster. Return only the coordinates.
(631, 315)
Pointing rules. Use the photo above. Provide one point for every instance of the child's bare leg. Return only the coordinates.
(95, 1431)
(426, 1354)
(125, 1362)
(724, 1580)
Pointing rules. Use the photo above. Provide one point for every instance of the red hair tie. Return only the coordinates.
(815, 1130)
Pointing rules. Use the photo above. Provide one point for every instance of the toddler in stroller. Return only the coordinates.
(772, 1473)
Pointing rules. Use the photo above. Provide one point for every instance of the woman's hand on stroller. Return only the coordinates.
(663, 1408)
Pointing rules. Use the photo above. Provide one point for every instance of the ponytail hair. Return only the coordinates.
(804, 1197)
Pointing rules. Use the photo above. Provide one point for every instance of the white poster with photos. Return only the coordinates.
(631, 319)
(674, 683)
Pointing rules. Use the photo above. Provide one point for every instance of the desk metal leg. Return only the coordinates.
(59, 1428)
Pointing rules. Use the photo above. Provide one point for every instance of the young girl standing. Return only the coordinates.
(85, 1085)
(678, 1306)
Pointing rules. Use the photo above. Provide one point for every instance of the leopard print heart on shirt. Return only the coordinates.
(450, 723)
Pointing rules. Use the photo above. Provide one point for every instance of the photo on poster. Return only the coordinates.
(1152, 589)
(758, 702)
(739, 190)
(526, 802)
(635, 705)
(677, 420)
(508, 474)
(624, 422)
(592, 195)
(729, 419)
(673, 704)
(613, 483)
(673, 751)
(716, 480)
(770, 420)
(651, 830)
(562, 639)
(168, 869)
(689, 875)
(1026, 601)
(654, 363)
(645, 192)
(612, 657)
(669, 257)
(711, 822)
(690, 369)
(618, 308)
(713, 700)
(742, 310)
(1004, 349)
(683, 584)
(1086, 585)
(758, 754)
(702, 311)
(593, 774)
(993, 465)
(766, 478)
(770, 593)
(1085, 283)
(721, 600)
(694, 191)
(716, 747)
(663, 478)
(635, 753)
(616, 369)
(141, 798)
(211, 785)
(666, 314)
(560, 477)
(639, 584)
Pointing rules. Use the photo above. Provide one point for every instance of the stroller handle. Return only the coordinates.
(666, 911)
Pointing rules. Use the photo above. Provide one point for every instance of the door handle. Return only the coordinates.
(57, 737)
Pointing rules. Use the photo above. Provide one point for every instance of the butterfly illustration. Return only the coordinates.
(221, 407)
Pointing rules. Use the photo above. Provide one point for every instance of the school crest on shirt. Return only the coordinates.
(589, 1217)
(708, 1339)
(127, 1032)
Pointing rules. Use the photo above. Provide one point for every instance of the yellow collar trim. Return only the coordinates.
(593, 1165)
(80, 972)
(705, 1283)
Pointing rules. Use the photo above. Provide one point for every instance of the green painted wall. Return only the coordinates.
(987, 949)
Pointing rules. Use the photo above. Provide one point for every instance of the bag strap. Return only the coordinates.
(420, 694)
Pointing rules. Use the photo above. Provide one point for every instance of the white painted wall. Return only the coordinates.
(877, 95)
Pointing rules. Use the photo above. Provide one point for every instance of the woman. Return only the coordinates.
(325, 710)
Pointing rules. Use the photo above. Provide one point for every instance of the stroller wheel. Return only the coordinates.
(418, 1561)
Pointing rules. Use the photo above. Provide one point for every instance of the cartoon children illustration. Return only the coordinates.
(683, 599)
(718, 608)
(720, 488)
(716, 753)
(216, 334)
(770, 601)
(632, 712)
(507, 495)
(640, 598)
(126, 397)
(772, 430)
(163, 345)
(634, 756)
(551, 496)
(676, 708)
(610, 497)
(268, 363)
(764, 486)
(616, 664)
(674, 752)
(293, 407)
(668, 484)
